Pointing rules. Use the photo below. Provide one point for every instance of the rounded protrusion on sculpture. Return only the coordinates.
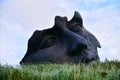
(60, 21)
(77, 17)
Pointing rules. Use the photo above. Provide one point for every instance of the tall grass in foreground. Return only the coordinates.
(109, 70)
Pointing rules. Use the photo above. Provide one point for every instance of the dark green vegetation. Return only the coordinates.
(109, 70)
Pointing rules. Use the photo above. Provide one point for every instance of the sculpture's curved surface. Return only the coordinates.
(76, 25)
(66, 41)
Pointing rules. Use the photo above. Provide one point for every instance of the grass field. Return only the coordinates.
(109, 70)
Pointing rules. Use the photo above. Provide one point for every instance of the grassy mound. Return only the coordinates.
(109, 70)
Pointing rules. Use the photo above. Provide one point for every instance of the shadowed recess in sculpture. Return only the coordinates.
(66, 41)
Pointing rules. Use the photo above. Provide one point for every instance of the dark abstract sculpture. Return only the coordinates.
(76, 25)
(66, 41)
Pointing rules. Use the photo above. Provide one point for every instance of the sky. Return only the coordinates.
(20, 18)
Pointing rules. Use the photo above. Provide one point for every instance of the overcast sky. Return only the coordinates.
(20, 18)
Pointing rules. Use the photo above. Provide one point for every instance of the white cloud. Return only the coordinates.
(39, 14)
(9, 52)
(10, 26)
(104, 23)
(12, 43)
